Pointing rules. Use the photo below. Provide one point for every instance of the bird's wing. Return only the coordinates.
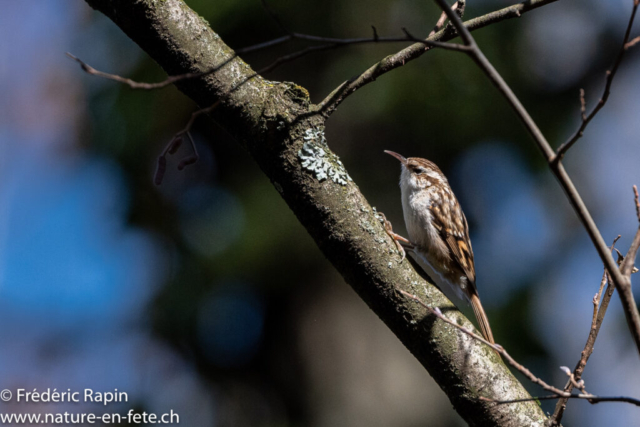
(452, 225)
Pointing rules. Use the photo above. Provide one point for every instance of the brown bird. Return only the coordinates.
(438, 230)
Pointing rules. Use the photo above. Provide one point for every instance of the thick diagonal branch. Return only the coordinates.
(274, 123)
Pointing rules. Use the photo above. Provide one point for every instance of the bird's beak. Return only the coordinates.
(397, 156)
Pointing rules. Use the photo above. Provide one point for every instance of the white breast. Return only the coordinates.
(416, 202)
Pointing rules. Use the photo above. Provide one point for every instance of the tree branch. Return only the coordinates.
(622, 282)
(629, 259)
(273, 121)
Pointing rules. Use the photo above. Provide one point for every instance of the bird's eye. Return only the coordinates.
(419, 170)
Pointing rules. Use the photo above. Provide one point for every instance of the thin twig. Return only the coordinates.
(600, 305)
(621, 282)
(632, 43)
(139, 85)
(331, 43)
(522, 369)
(175, 143)
(264, 45)
(637, 197)
(583, 105)
(610, 74)
(592, 399)
(441, 21)
(275, 17)
(430, 43)
(627, 266)
(375, 33)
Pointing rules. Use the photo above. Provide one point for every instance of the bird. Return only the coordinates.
(438, 231)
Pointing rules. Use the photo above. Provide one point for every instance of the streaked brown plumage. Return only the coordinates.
(438, 230)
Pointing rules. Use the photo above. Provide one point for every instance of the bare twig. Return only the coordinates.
(610, 74)
(375, 33)
(592, 399)
(442, 20)
(175, 143)
(627, 266)
(428, 43)
(583, 105)
(558, 393)
(600, 305)
(139, 85)
(579, 384)
(632, 43)
(622, 282)
(330, 41)
(264, 45)
(275, 17)
(330, 44)
(636, 197)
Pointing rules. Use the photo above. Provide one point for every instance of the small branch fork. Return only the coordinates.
(557, 393)
(176, 142)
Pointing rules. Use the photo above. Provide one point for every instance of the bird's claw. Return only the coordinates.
(395, 237)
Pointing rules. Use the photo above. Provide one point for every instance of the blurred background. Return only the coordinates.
(206, 296)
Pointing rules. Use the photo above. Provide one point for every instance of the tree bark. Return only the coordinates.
(276, 123)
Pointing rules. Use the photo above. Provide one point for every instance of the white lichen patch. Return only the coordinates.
(366, 226)
(322, 163)
(315, 136)
(378, 216)
(179, 14)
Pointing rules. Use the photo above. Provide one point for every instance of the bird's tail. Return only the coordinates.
(483, 321)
